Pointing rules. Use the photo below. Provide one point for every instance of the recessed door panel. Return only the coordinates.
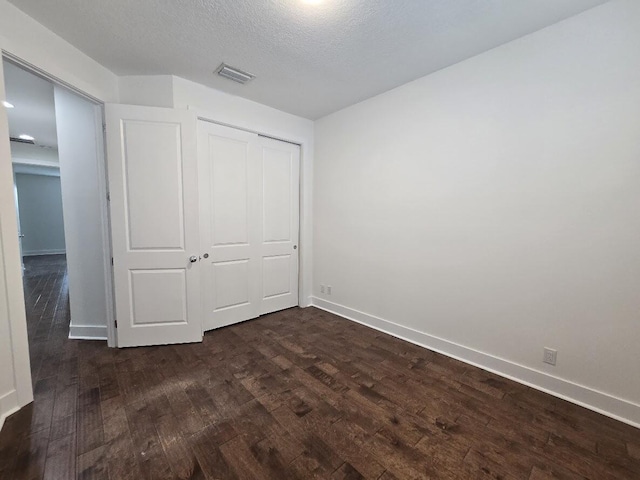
(229, 190)
(277, 201)
(152, 160)
(167, 288)
(231, 284)
(276, 275)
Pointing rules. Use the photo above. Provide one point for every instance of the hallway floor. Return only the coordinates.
(296, 394)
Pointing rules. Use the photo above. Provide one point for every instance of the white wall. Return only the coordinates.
(239, 112)
(23, 37)
(146, 90)
(15, 370)
(80, 150)
(491, 209)
(33, 154)
(40, 205)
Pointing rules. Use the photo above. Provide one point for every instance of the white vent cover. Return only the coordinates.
(234, 74)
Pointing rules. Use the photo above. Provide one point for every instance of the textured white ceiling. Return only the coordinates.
(309, 60)
(34, 107)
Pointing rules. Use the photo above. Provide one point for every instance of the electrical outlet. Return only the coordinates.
(328, 289)
(550, 356)
(321, 288)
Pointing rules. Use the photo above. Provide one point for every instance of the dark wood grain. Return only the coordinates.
(299, 394)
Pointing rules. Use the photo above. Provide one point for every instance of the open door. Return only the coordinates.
(153, 183)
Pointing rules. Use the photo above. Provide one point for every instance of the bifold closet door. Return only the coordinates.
(249, 224)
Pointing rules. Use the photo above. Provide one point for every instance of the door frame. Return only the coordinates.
(304, 197)
(19, 363)
(105, 219)
(20, 234)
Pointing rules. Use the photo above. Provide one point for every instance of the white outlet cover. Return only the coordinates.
(550, 356)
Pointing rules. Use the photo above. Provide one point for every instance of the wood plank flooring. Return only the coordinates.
(297, 394)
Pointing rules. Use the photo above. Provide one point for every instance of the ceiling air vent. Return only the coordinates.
(22, 140)
(234, 74)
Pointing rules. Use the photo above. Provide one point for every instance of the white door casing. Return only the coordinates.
(153, 183)
(20, 234)
(249, 224)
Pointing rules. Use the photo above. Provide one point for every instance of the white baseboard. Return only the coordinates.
(37, 253)
(306, 302)
(87, 332)
(600, 402)
(8, 405)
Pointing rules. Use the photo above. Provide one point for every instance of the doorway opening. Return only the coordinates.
(57, 156)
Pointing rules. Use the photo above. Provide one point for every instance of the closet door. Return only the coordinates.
(249, 215)
(280, 204)
(230, 219)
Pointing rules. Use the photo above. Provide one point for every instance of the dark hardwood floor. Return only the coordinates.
(297, 394)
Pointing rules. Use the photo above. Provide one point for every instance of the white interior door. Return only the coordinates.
(153, 180)
(280, 206)
(249, 224)
(229, 221)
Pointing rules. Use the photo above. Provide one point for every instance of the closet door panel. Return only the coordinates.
(280, 165)
(230, 217)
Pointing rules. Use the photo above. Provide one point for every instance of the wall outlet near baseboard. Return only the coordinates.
(328, 289)
(321, 288)
(550, 356)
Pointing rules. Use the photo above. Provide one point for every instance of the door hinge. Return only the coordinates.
(108, 197)
(111, 261)
(116, 323)
(104, 127)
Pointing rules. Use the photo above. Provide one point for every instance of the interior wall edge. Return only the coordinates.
(600, 402)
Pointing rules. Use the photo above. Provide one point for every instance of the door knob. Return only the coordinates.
(193, 258)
